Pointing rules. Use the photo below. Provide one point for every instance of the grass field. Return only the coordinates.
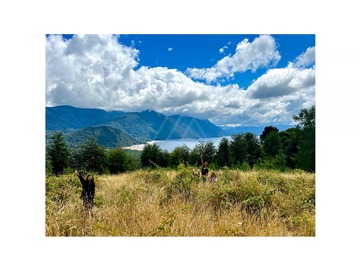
(169, 202)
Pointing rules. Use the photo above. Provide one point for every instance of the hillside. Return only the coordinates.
(124, 128)
(105, 136)
(134, 125)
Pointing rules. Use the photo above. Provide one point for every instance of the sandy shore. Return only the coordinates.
(138, 147)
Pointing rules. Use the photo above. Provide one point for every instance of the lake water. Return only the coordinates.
(170, 145)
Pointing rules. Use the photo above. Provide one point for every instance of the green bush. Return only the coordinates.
(244, 166)
(158, 176)
(181, 185)
(223, 196)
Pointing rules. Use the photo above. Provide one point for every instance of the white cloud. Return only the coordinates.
(170, 49)
(87, 70)
(222, 50)
(281, 82)
(248, 56)
(98, 72)
(282, 93)
(306, 59)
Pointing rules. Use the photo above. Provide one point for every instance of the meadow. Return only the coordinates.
(173, 202)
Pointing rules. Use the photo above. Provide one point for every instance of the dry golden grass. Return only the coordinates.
(172, 203)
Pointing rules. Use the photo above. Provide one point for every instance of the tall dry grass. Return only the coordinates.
(166, 202)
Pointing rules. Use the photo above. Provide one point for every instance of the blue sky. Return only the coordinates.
(229, 79)
(203, 51)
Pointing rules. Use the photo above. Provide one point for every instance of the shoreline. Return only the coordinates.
(190, 142)
(138, 147)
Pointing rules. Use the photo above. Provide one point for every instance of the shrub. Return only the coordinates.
(223, 196)
(181, 185)
(158, 176)
(253, 204)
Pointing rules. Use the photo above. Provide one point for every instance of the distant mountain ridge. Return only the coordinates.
(117, 128)
(67, 118)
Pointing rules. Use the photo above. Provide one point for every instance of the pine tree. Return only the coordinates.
(223, 153)
(58, 153)
(306, 155)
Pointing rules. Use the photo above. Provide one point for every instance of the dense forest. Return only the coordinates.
(293, 148)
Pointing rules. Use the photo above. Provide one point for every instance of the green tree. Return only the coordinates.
(289, 144)
(206, 149)
(266, 131)
(134, 161)
(90, 157)
(117, 160)
(196, 152)
(306, 118)
(272, 144)
(151, 155)
(179, 155)
(209, 152)
(58, 153)
(254, 151)
(164, 158)
(238, 149)
(306, 155)
(223, 153)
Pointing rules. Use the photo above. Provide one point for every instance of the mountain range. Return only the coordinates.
(118, 128)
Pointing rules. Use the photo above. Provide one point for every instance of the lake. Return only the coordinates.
(170, 145)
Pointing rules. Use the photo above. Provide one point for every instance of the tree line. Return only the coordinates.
(289, 149)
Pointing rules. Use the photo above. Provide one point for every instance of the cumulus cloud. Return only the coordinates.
(281, 93)
(248, 56)
(88, 70)
(281, 82)
(306, 59)
(95, 71)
